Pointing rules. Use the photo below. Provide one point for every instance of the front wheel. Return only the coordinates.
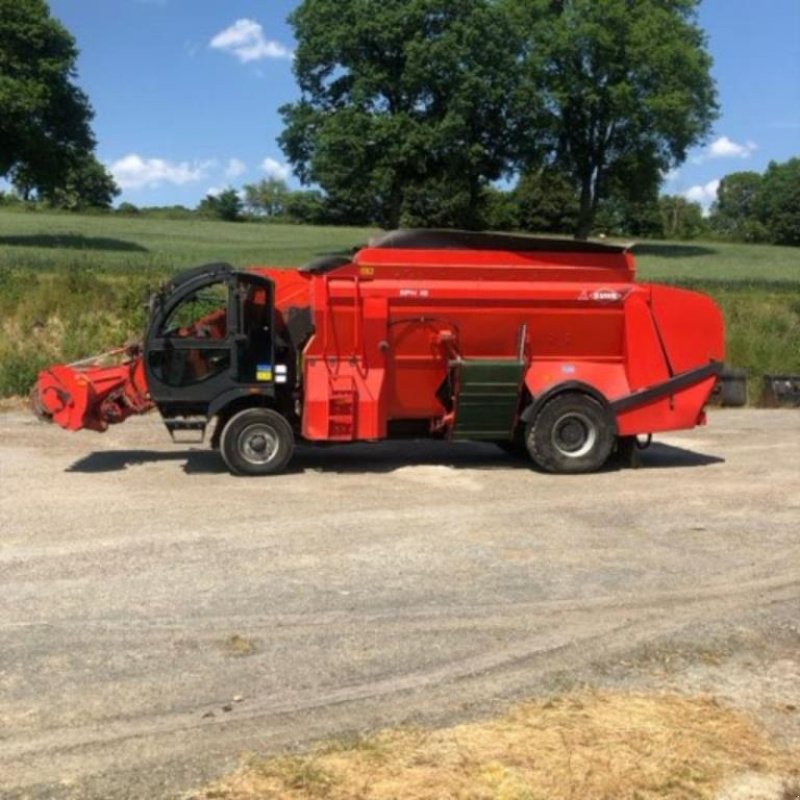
(572, 434)
(257, 441)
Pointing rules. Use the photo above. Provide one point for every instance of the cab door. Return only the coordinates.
(211, 334)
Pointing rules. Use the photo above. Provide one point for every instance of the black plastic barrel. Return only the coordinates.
(731, 388)
(782, 391)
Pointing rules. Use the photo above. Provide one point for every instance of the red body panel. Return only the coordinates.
(690, 325)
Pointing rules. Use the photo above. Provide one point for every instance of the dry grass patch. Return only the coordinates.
(13, 404)
(239, 646)
(598, 746)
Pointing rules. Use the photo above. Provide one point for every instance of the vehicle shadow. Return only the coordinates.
(377, 458)
(197, 462)
(660, 456)
(384, 457)
(73, 242)
(672, 250)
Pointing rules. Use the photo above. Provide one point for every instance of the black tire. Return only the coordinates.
(257, 441)
(572, 434)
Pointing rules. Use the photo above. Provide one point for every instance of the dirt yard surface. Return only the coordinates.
(159, 617)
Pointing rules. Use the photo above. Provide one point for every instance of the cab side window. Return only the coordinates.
(202, 316)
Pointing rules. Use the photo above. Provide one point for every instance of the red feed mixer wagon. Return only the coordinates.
(543, 344)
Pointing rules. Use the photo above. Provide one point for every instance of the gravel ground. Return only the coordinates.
(160, 617)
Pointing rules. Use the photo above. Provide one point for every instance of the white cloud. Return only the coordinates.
(275, 169)
(671, 175)
(704, 194)
(725, 147)
(235, 168)
(246, 40)
(135, 172)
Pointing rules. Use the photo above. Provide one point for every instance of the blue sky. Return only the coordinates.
(186, 92)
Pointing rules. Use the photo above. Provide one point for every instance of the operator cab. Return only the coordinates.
(210, 340)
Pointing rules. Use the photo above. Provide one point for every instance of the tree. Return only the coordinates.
(226, 206)
(621, 82)
(266, 198)
(44, 117)
(778, 202)
(734, 213)
(629, 205)
(548, 202)
(760, 208)
(501, 210)
(88, 184)
(409, 108)
(680, 218)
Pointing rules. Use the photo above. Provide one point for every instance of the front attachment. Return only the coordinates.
(95, 393)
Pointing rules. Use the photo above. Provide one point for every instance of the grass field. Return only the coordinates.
(46, 242)
(73, 285)
(49, 242)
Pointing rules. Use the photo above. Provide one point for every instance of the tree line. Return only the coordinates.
(749, 208)
(415, 112)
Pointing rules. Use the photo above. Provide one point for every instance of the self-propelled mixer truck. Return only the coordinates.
(547, 345)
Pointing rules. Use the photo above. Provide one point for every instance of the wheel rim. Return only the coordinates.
(574, 435)
(258, 444)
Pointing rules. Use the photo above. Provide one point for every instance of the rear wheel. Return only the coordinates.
(257, 441)
(572, 434)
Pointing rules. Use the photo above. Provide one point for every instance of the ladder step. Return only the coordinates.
(342, 408)
(176, 427)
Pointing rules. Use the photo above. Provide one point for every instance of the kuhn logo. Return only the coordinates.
(602, 296)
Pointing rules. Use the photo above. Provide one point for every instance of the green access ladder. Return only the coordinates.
(488, 398)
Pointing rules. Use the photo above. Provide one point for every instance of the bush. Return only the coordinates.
(9, 199)
(63, 317)
(306, 207)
